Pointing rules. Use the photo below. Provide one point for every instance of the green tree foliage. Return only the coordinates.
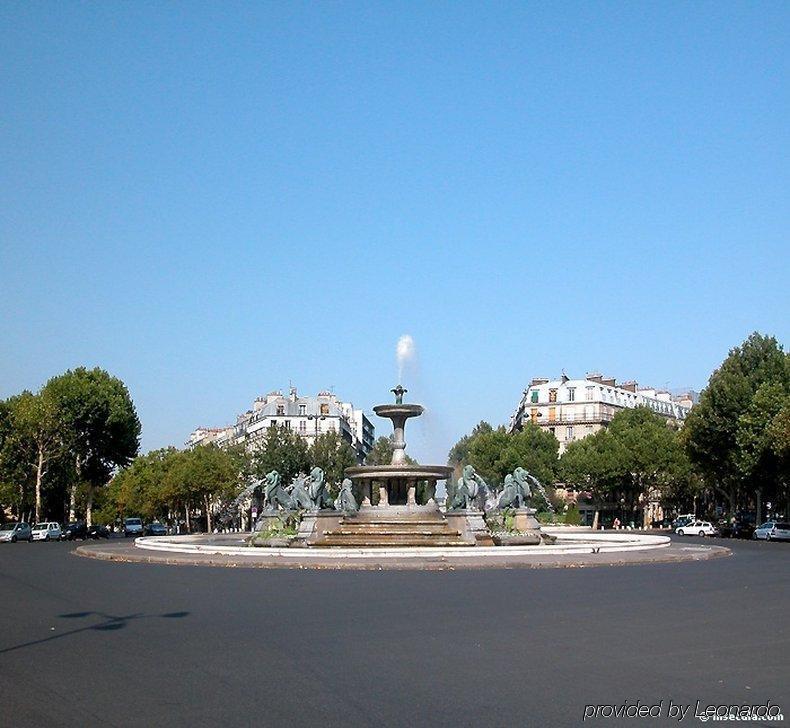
(39, 437)
(735, 434)
(496, 453)
(638, 454)
(139, 490)
(165, 483)
(333, 455)
(282, 450)
(459, 453)
(16, 452)
(381, 452)
(99, 423)
(201, 476)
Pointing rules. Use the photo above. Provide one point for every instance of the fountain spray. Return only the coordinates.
(405, 351)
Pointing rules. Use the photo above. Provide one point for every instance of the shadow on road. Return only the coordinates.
(109, 623)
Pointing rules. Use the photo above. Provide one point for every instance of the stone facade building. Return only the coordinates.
(574, 408)
(307, 416)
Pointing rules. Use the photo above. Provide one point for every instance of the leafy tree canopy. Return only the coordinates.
(333, 455)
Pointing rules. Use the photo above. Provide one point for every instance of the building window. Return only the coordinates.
(324, 409)
(551, 430)
(280, 410)
(287, 424)
(569, 433)
(552, 414)
(534, 396)
(533, 415)
(571, 394)
(303, 409)
(302, 426)
(590, 393)
(273, 423)
(552, 395)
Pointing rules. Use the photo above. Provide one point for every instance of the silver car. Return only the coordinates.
(14, 532)
(771, 530)
(46, 531)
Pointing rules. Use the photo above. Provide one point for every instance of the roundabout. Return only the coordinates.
(577, 549)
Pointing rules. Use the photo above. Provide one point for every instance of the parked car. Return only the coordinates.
(697, 528)
(97, 532)
(75, 530)
(132, 527)
(683, 520)
(14, 532)
(155, 529)
(47, 531)
(738, 529)
(771, 530)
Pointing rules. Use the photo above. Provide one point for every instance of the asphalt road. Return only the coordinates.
(86, 642)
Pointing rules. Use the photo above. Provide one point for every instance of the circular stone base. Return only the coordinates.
(574, 550)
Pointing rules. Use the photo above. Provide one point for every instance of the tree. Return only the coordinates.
(333, 455)
(100, 427)
(381, 452)
(36, 422)
(282, 450)
(637, 457)
(730, 434)
(16, 455)
(459, 453)
(201, 476)
(140, 488)
(496, 453)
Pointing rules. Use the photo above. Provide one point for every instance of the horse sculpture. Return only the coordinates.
(316, 488)
(299, 494)
(345, 500)
(516, 490)
(467, 488)
(274, 495)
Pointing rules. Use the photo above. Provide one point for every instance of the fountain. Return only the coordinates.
(397, 482)
(397, 519)
(300, 525)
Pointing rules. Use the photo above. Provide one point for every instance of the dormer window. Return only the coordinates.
(571, 394)
(280, 409)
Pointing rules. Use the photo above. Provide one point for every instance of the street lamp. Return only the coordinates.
(316, 418)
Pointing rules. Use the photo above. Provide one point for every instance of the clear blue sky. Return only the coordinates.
(212, 199)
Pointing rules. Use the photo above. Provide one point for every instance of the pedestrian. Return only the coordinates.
(616, 524)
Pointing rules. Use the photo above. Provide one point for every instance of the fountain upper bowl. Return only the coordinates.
(398, 410)
(399, 470)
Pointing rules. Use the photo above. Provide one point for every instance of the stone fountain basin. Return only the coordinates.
(415, 472)
(398, 410)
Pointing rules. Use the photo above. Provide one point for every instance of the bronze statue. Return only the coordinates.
(299, 494)
(345, 500)
(274, 495)
(316, 489)
(466, 489)
(516, 491)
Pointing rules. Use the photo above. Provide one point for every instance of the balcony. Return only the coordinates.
(570, 419)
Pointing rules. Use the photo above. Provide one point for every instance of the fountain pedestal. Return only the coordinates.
(470, 523)
(525, 519)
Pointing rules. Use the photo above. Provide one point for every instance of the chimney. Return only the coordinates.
(538, 380)
(594, 377)
(609, 382)
(630, 385)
